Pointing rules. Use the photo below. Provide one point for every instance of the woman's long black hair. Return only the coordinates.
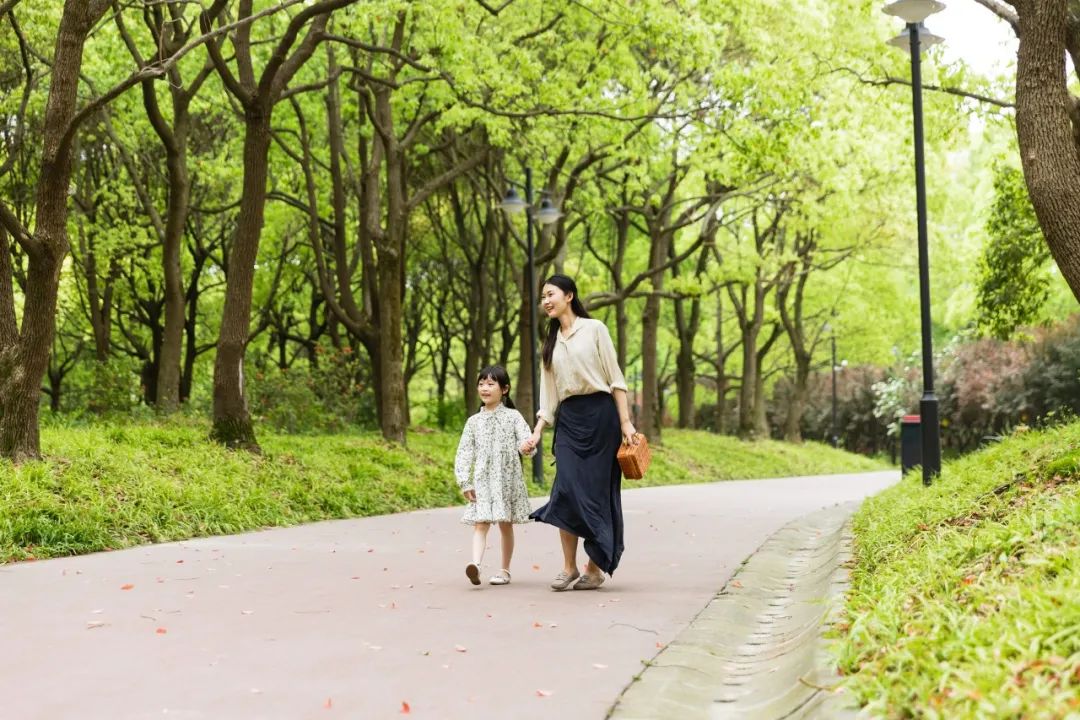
(498, 374)
(568, 286)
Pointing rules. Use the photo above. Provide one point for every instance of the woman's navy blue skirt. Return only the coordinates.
(586, 495)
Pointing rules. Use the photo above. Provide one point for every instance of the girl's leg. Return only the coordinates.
(569, 551)
(479, 542)
(507, 531)
(593, 569)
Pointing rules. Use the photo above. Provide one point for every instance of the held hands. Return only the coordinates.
(470, 495)
(530, 443)
(629, 433)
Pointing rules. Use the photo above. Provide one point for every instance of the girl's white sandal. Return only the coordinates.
(500, 578)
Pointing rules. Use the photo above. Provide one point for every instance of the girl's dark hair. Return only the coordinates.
(498, 374)
(568, 286)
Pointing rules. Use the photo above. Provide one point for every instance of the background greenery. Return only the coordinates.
(726, 127)
(109, 486)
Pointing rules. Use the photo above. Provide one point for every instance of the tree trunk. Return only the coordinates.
(232, 421)
(749, 383)
(9, 328)
(793, 422)
(720, 422)
(391, 355)
(24, 362)
(168, 376)
(651, 407)
(686, 374)
(1048, 130)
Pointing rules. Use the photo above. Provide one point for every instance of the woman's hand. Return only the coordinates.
(470, 495)
(629, 433)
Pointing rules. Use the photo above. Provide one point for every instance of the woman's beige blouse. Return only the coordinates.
(584, 362)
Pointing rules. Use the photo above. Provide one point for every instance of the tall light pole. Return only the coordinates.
(546, 214)
(914, 12)
(832, 340)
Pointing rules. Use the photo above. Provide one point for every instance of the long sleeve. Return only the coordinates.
(466, 457)
(549, 395)
(609, 361)
(522, 432)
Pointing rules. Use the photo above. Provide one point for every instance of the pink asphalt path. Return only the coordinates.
(354, 618)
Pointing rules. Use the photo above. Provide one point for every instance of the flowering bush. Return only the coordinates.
(985, 387)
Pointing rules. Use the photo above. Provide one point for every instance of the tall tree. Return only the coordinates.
(257, 97)
(24, 350)
(170, 26)
(1048, 120)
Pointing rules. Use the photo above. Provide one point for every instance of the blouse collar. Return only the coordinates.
(573, 329)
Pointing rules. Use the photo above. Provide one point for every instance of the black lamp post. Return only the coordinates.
(546, 214)
(832, 340)
(913, 12)
(833, 427)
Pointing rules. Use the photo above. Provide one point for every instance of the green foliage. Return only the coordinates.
(695, 456)
(1014, 282)
(333, 396)
(965, 597)
(986, 387)
(113, 486)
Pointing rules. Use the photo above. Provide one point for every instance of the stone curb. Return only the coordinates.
(757, 651)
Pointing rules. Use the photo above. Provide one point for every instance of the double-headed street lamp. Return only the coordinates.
(545, 214)
(914, 12)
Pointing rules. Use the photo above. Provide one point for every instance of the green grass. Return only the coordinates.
(107, 486)
(965, 599)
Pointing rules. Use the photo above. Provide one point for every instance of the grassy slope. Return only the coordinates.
(106, 487)
(966, 595)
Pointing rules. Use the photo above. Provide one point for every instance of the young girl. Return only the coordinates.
(488, 470)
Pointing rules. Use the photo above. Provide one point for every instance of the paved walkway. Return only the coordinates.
(374, 618)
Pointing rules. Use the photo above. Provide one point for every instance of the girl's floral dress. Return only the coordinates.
(489, 462)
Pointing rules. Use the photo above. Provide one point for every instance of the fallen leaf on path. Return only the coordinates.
(489, 615)
(659, 644)
(736, 583)
(371, 550)
(538, 625)
(543, 693)
(461, 648)
(536, 567)
(599, 666)
(94, 624)
(247, 612)
(329, 704)
(405, 709)
(161, 631)
(127, 586)
(553, 625)
(179, 562)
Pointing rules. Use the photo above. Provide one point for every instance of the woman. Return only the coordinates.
(583, 395)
